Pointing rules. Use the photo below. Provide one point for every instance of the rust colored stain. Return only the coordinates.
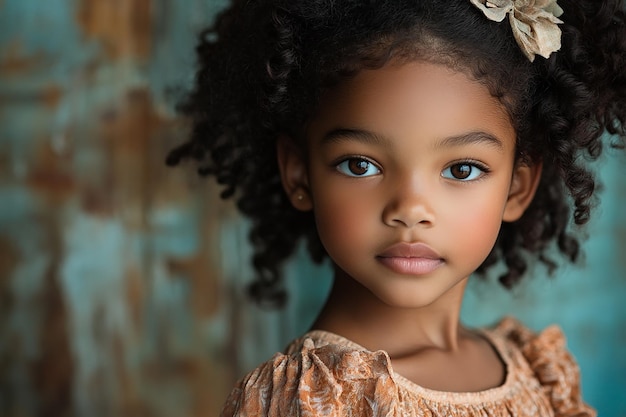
(135, 295)
(9, 259)
(16, 62)
(123, 27)
(5, 159)
(51, 96)
(52, 371)
(51, 175)
(201, 275)
(131, 126)
(202, 375)
(195, 373)
(130, 403)
(125, 134)
(97, 200)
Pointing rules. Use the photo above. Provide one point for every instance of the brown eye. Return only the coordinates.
(357, 167)
(466, 171)
(461, 171)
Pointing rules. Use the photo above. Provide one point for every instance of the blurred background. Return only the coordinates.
(121, 281)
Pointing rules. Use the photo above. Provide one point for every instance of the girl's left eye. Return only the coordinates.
(465, 171)
(357, 167)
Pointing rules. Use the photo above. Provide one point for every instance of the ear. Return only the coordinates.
(293, 173)
(522, 191)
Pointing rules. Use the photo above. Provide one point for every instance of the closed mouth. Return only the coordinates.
(410, 258)
(410, 250)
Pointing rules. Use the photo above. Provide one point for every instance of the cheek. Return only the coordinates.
(342, 219)
(478, 221)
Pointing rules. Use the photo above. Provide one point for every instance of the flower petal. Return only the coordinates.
(550, 6)
(533, 22)
(536, 31)
(495, 10)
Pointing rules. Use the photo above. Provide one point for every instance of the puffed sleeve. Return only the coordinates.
(553, 365)
(326, 381)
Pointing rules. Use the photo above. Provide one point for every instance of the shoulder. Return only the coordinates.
(314, 377)
(552, 364)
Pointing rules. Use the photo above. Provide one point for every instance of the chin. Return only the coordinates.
(407, 301)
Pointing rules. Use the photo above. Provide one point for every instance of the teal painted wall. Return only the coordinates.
(119, 291)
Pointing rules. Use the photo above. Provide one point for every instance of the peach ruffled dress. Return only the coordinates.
(323, 374)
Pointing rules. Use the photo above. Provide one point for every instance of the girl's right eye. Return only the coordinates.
(357, 167)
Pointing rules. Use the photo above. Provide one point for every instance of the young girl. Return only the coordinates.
(412, 142)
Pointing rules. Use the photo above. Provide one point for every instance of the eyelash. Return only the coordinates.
(336, 165)
(472, 163)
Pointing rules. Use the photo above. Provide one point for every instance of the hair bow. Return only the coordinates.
(534, 23)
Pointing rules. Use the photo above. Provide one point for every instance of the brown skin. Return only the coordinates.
(385, 165)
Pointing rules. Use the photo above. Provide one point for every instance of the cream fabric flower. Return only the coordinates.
(534, 23)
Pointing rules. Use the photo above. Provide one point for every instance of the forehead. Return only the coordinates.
(419, 99)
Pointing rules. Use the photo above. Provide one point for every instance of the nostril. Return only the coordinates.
(407, 222)
(400, 222)
(408, 209)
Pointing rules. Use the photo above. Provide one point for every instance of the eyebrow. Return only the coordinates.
(368, 137)
(471, 138)
(360, 135)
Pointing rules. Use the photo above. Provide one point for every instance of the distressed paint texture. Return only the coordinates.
(121, 280)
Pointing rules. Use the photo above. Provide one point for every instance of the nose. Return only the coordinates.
(409, 205)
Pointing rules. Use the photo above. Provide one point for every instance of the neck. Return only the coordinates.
(354, 312)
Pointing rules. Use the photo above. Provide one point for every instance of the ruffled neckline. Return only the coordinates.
(506, 389)
(323, 374)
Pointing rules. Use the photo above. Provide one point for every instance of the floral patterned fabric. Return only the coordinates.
(323, 374)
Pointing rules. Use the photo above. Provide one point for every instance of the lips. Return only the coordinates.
(410, 258)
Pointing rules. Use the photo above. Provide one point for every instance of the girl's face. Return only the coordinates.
(410, 173)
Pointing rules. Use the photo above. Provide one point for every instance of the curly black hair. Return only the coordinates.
(265, 63)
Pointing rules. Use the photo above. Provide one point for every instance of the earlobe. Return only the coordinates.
(293, 173)
(522, 191)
